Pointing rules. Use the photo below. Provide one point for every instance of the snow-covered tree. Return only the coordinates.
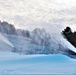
(23, 33)
(40, 38)
(7, 28)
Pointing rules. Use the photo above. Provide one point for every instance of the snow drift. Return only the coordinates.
(13, 63)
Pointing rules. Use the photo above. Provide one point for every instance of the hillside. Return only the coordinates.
(37, 41)
(5, 44)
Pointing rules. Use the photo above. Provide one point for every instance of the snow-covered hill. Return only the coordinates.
(13, 63)
(21, 44)
(24, 45)
(5, 44)
(38, 41)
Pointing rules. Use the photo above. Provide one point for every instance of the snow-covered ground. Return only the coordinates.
(13, 63)
(17, 63)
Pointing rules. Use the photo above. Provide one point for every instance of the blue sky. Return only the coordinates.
(28, 14)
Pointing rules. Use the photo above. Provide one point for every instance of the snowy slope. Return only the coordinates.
(11, 63)
(5, 45)
(21, 44)
(25, 46)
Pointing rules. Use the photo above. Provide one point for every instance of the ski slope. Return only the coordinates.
(11, 63)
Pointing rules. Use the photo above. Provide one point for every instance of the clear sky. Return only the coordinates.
(28, 14)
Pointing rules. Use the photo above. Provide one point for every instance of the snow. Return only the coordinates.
(2, 38)
(5, 44)
(24, 45)
(13, 63)
(70, 46)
